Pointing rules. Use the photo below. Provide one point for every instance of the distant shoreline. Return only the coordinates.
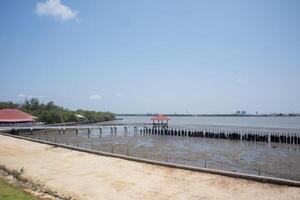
(211, 115)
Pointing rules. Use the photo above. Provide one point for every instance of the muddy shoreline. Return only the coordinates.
(87, 176)
(274, 160)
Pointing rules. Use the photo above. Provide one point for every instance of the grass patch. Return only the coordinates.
(9, 192)
(6, 190)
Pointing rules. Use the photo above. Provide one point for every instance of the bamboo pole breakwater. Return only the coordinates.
(255, 136)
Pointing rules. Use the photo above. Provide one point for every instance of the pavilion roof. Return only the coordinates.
(15, 115)
(160, 118)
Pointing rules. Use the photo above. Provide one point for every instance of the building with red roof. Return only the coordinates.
(12, 116)
(160, 121)
(160, 118)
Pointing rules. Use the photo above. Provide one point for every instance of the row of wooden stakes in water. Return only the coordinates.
(288, 138)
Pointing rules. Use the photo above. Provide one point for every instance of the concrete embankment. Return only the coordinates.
(87, 176)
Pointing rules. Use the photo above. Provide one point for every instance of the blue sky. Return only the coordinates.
(142, 56)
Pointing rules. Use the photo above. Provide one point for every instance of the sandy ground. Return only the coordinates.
(86, 176)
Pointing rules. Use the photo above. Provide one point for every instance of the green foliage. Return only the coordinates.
(51, 113)
(8, 105)
(93, 116)
(10, 192)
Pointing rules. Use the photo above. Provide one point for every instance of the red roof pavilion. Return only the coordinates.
(160, 118)
(158, 121)
(15, 115)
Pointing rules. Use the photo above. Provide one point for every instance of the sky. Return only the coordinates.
(155, 56)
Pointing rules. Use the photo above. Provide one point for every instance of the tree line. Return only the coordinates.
(51, 113)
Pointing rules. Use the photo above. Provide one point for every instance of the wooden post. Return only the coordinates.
(115, 131)
(100, 132)
(135, 131)
(89, 132)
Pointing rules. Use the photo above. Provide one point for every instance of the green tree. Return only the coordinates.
(51, 113)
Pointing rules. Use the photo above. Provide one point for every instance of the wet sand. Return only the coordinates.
(86, 176)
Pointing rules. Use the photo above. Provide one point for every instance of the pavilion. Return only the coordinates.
(160, 121)
(15, 117)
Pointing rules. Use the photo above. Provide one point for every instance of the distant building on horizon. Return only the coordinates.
(243, 112)
(240, 112)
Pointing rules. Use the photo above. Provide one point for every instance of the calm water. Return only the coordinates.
(197, 122)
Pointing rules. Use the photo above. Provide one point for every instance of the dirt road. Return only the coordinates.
(87, 176)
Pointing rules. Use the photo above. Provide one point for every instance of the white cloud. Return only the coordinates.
(54, 8)
(240, 80)
(22, 96)
(95, 97)
(119, 95)
(25, 96)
